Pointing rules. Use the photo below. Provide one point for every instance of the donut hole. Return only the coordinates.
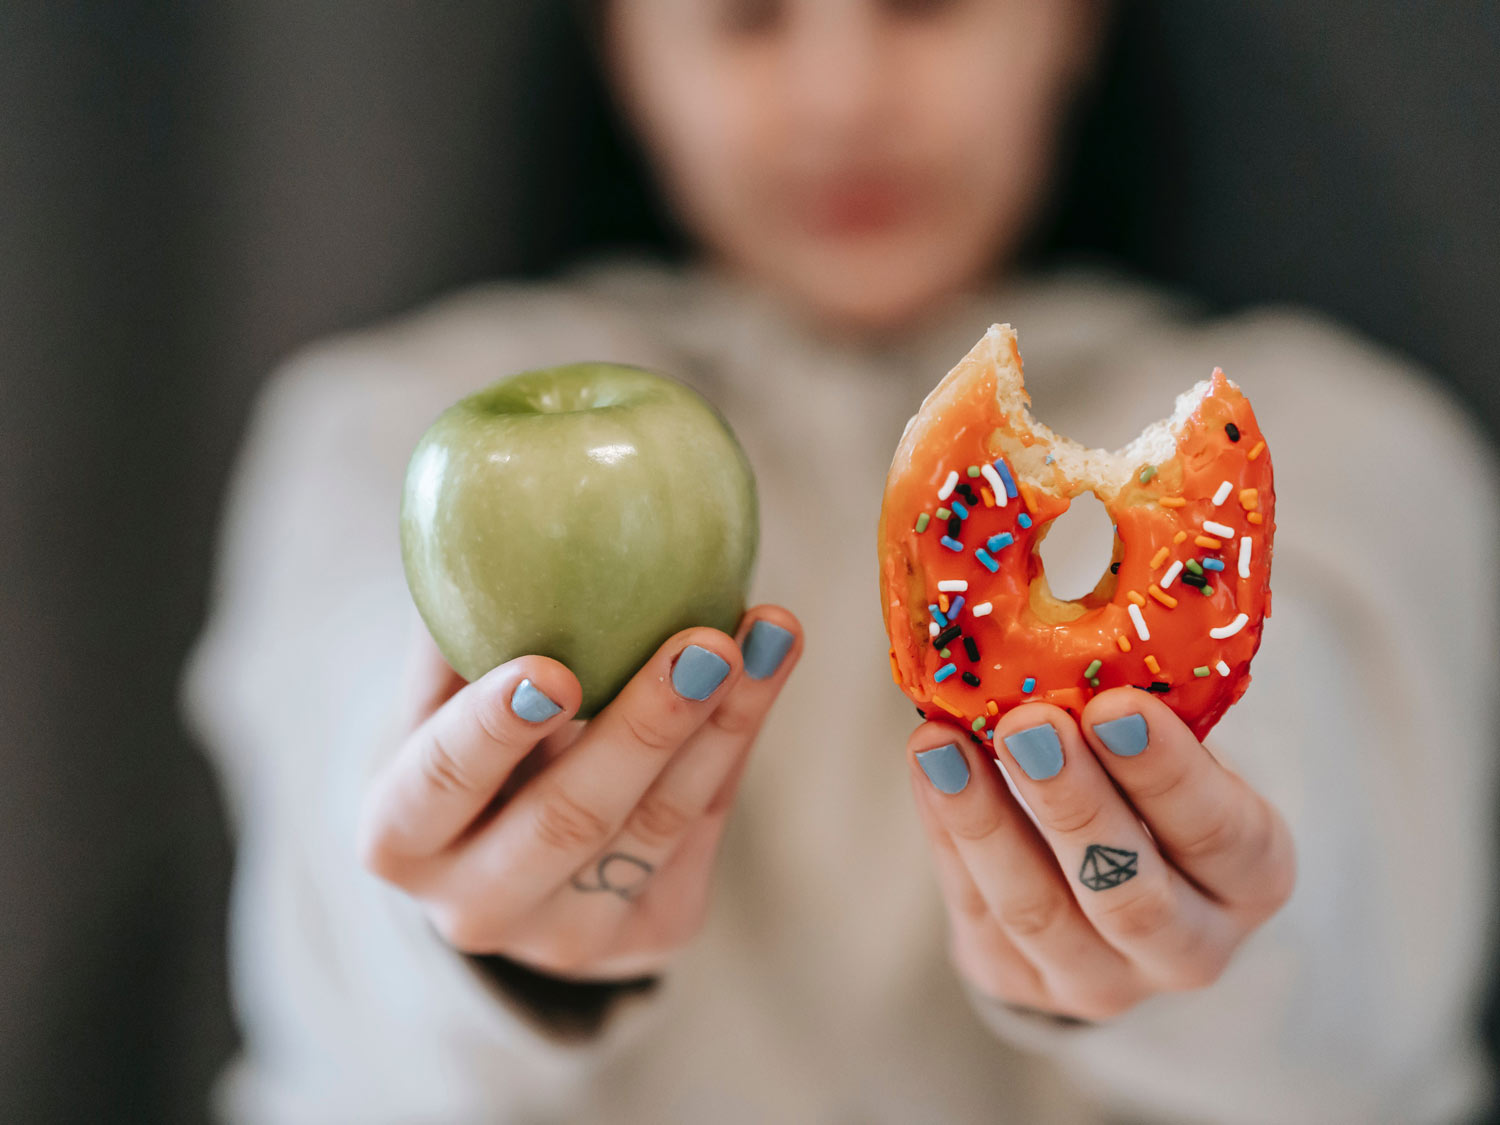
(1076, 550)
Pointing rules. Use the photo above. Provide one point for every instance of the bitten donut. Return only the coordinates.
(974, 486)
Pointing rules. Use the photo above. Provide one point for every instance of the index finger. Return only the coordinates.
(450, 768)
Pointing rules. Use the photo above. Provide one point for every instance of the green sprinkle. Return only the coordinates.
(922, 522)
(945, 653)
(1093, 681)
(943, 514)
(1206, 590)
(977, 724)
(1201, 671)
(1194, 567)
(1093, 669)
(1147, 473)
(973, 471)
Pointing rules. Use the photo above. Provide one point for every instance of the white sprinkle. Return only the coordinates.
(1217, 529)
(1231, 629)
(950, 585)
(1138, 621)
(932, 629)
(1222, 668)
(1244, 556)
(948, 485)
(1223, 494)
(1171, 576)
(981, 610)
(997, 486)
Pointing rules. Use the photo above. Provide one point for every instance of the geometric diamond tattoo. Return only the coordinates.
(1106, 867)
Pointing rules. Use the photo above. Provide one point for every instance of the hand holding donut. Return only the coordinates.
(580, 850)
(1087, 915)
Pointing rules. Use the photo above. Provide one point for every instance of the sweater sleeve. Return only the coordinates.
(1371, 724)
(351, 1006)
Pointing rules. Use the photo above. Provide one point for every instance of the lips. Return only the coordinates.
(859, 205)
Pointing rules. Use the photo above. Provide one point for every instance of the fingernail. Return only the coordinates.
(530, 703)
(1125, 736)
(1038, 751)
(945, 767)
(765, 648)
(698, 672)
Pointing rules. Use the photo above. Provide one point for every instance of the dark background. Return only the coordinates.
(189, 191)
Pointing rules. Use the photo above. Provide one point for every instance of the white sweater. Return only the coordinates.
(820, 990)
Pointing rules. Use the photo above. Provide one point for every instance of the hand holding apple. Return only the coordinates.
(585, 513)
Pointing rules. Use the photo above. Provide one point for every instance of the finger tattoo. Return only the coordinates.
(617, 873)
(1105, 867)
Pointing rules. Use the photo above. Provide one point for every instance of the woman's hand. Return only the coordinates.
(579, 850)
(1088, 914)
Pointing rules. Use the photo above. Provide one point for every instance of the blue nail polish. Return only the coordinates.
(945, 767)
(1125, 736)
(528, 702)
(1037, 750)
(698, 672)
(765, 648)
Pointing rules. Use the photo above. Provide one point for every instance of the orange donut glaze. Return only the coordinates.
(1159, 522)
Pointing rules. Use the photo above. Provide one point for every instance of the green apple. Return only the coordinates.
(585, 513)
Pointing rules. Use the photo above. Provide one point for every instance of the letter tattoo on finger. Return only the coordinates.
(617, 873)
(1105, 867)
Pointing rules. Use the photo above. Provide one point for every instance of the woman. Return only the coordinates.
(433, 920)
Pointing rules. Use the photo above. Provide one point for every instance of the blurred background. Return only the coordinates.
(189, 191)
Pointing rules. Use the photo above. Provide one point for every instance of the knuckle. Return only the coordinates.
(441, 768)
(492, 720)
(465, 930)
(374, 852)
(564, 824)
(658, 821)
(1034, 915)
(737, 721)
(1105, 1004)
(1164, 785)
(648, 733)
(1222, 834)
(1072, 817)
(1144, 915)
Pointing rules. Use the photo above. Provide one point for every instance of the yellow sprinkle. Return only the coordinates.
(1135, 597)
(1123, 642)
(989, 497)
(1256, 517)
(948, 707)
(1179, 537)
(1254, 453)
(1249, 498)
(1159, 558)
(1153, 665)
(1166, 599)
(992, 707)
(1027, 440)
(1027, 495)
(1171, 501)
(943, 602)
(1208, 541)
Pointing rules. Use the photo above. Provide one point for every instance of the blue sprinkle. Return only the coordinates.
(937, 615)
(984, 557)
(954, 606)
(1001, 541)
(1212, 564)
(1024, 520)
(989, 734)
(945, 671)
(1010, 483)
(959, 510)
(1049, 459)
(1029, 685)
(952, 544)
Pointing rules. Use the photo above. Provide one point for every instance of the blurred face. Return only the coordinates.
(866, 158)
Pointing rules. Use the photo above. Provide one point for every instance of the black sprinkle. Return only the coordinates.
(1159, 687)
(966, 490)
(974, 737)
(1114, 568)
(921, 712)
(955, 527)
(971, 679)
(1140, 687)
(1232, 430)
(971, 648)
(1194, 580)
(949, 634)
